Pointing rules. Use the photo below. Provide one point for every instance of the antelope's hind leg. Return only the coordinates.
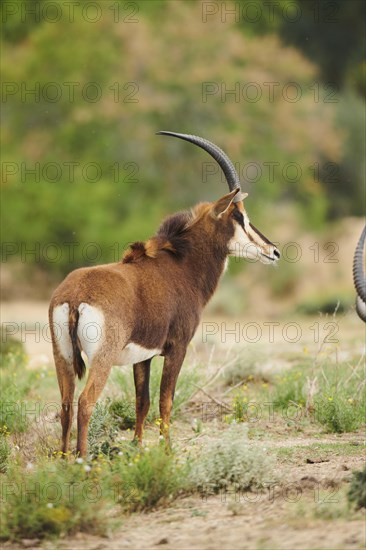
(66, 382)
(98, 376)
(141, 375)
(172, 365)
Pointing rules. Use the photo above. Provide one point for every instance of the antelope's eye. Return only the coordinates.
(238, 216)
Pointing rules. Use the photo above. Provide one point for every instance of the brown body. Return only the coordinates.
(147, 304)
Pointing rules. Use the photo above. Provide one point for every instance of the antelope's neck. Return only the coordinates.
(207, 264)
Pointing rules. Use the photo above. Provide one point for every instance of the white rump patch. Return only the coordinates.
(133, 353)
(90, 329)
(60, 319)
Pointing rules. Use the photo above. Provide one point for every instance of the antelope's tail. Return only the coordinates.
(78, 361)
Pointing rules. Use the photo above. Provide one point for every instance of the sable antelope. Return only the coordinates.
(149, 303)
(359, 277)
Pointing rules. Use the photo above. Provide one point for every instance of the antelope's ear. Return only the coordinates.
(221, 206)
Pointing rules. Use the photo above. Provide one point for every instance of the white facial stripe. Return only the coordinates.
(134, 353)
(241, 246)
(253, 248)
(60, 320)
(90, 329)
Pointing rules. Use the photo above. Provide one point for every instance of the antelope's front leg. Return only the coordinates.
(172, 365)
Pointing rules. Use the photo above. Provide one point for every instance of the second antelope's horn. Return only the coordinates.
(359, 276)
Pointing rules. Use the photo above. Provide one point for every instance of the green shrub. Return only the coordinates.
(103, 430)
(290, 389)
(340, 413)
(16, 382)
(340, 402)
(54, 498)
(145, 479)
(123, 412)
(357, 491)
(231, 460)
(4, 449)
(336, 402)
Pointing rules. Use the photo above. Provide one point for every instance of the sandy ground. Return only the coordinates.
(279, 519)
(282, 518)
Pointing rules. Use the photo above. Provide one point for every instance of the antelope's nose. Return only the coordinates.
(276, 253)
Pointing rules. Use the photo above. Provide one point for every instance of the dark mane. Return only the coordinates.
(172, 236)
(175, 230)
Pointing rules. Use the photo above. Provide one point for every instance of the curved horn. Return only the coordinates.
(358, 273)
(218, 154)
(359, 276)
(361, 308)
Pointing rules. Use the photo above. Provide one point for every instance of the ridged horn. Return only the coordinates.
(361, 308)
(218, 154)
(359, 276)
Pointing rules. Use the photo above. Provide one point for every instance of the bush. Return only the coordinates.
(16, 382)
(357, 491)
(290, 389)
(54, 498)
(123, 412)
(340, 413)
(332, 394)
(4, 449)
(231, 460)
(147, 478)
(340, 402)
(102, 431)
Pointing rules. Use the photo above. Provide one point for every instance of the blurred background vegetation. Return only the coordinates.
(107, 75)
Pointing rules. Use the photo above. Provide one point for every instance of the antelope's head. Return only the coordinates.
(359, 276)
(244, 240)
